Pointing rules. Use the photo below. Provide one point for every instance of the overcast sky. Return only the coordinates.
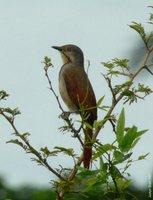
(28, 29)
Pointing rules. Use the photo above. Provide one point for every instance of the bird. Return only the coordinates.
(76, 91)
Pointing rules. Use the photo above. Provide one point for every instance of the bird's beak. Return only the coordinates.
(57, 48)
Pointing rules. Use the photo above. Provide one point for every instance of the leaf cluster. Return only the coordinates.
(110, 180)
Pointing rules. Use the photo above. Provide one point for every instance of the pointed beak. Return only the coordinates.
(57, 48)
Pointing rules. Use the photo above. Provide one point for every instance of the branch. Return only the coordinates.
(119, 98)
(111, 88)
(65, 114)
(72, 175)
(32, 149)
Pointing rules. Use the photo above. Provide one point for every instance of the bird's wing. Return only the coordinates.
(79, 89)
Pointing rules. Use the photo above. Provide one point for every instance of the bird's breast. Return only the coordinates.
(63, 90)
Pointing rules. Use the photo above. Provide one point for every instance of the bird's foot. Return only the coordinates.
(65, 115)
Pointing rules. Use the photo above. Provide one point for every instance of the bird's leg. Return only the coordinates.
(65, 115)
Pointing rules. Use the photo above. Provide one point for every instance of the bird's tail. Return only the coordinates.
(87, 152)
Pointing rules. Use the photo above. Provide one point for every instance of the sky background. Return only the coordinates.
(28, 29)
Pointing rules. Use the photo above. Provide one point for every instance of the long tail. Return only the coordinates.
(87, 152)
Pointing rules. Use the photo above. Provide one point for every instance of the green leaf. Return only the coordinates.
(131, 138)
(128, 139)
(142, 157)
(127, 93)
(108, 65)
(150, 36)
(87, 125)
(122, 185)
(3, 95)
(102, 149)
(118, 155)
(139, 29)
(138, 134)
(115, 172)
(104, 107)
(121, 158)
(121, 62)
(100, 101)
(99, 123)
(67, 151)
(16, 141)
(120, 127)
(135, 142)
(144, 89)
(114, 72)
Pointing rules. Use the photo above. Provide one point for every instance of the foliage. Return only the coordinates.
(24, 192)
(33, 193)
(110, 178)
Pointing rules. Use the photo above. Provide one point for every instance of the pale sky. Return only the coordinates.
(28, 30)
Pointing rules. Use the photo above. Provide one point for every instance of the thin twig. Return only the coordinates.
(53, 91)
(111, 88)
(118, 99)
(113, 125)
(32, 149)
(66, 117)
(148, 70)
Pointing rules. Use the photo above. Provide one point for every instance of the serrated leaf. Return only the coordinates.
(127, 93)
(114, 72)
(121, 62)
(16, 141)
(67, 151)
(138, 27)
(108, 65)
(47, 152)
(120, 127)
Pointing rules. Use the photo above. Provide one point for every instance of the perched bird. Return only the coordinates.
(76, 91)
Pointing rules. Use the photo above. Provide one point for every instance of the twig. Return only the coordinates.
(148, 70)
(53, 91)
(111, 88)
(32, 149)
(73, 174)
(119, 98)
(66, 117)
(113, 125)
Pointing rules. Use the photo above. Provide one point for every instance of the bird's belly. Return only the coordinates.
(65, 96)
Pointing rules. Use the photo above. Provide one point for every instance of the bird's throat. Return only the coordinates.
(65, 58)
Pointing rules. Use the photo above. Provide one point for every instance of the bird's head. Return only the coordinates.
(71, 53)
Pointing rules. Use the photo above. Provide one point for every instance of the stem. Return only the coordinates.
(72, 175)
(118, 99)
(32, 149)
(66, 118)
